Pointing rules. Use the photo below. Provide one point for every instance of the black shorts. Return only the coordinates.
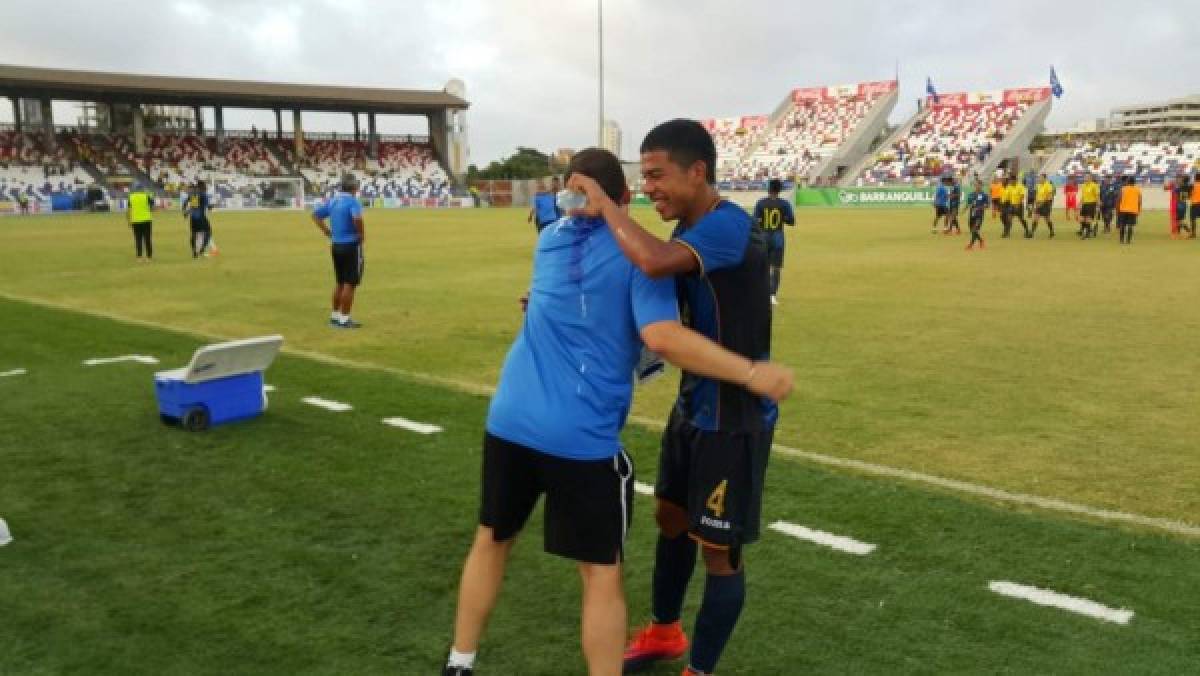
(1043, 209)
(201, 224)
(975, 220)
(348, 263)
(717, 477)
(776, 245)
(940, 211)
(1195, 210)
(1126, 219)
(1088, 210)
(589, 503)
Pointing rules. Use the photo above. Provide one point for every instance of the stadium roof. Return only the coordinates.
(82, 85)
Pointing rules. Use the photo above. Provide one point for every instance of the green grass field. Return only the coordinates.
(308, 541)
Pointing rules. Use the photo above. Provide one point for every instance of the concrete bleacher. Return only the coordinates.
(1147, 161)
(27, 169)
(804, 133)
(403, 168)
(958, 133)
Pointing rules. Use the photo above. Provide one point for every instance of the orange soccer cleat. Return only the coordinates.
(655, 643)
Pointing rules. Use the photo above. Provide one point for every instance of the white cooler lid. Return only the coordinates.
(227, 359)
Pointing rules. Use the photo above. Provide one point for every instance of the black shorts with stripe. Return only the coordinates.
(348, 265)
(717, 477)
(1088, 210)
(1126, 219)
(589, 503)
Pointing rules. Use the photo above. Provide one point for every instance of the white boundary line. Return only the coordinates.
(139, 358)
(643, 488)
(327, 404)
(13, 372)
(978, 490)
(1053, 599)
(820, 537)
(412, 425)
(268, 388)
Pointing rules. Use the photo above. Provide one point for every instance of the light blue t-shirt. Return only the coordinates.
(567, 382)
(341, 210)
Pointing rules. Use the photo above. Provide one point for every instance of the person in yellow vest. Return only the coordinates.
(1128, 207)
(1016, 205)
(141, 206)
(1089, 197)
(1043, 205)
(997, 198)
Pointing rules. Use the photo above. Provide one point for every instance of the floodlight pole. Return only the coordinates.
(600, 44)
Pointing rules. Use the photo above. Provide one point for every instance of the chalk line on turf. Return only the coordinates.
(977, 490)
(327, 404)
(412, 425)
(1053, 599)
(13, 372)
(643, 488)
(139, 358)
(820, 537)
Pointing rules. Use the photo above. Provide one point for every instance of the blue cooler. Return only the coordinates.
(223, 383)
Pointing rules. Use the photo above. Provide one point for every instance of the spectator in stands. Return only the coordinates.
(1128, 208)
(141, 204)
(545, 206)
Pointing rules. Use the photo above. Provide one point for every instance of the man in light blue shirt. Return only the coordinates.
(346, 234)
(554, 424)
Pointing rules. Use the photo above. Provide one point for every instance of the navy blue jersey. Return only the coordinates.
(1110, 192)
(729, 300)
(978, 202)
(198, 206)
(955, 196)
(772, 213)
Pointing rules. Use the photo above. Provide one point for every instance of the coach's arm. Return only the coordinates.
(654, 257)
(692, 352)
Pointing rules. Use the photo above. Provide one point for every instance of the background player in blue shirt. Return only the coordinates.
(545, 206)
(346, 235)
(718, 437)
(553, 426)
(770, 214)
(941, 204)
(953, 203)
(977, 205)
(196, 209)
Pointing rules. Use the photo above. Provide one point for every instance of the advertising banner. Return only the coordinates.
(864, 197)
(1028, 95)
(841, 91)
(870, 90)
(754, 122)
(808, 94)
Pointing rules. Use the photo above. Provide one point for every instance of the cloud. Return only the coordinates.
(530, 66)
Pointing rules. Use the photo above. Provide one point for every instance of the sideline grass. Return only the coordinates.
(1057, 368)
(313, 542)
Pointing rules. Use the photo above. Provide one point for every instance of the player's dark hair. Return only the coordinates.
(775, 186)
(685, 142)
(603, 167)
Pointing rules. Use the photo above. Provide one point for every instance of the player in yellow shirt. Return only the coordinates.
(1089, 198)
(1016, 205)
(1128, 207)
(1043, 205)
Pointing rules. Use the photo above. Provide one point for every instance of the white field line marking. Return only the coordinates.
(268, 388)
(643, 488)
(412, 426)
(5, 534)
(327, 404)
(139, 358)
(14, 372)
(1049, 504)
(838, 542)
(1053, 599)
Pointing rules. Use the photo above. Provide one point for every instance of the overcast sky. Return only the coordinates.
(530, 66)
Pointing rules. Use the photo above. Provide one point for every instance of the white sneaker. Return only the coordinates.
(774, 301)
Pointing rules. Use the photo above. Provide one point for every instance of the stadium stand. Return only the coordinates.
(25, 168)
(811, 126)
(953, 134)
(1147, 161)
(403, 169)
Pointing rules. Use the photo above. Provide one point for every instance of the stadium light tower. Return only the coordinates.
(600, 53)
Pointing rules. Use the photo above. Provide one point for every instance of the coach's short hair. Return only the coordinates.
(603, 167)
(685, 142)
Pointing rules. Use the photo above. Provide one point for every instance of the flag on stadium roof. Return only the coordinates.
(1055, 85)
(930, 90)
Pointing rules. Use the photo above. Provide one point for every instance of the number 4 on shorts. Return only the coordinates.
(716, 500)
